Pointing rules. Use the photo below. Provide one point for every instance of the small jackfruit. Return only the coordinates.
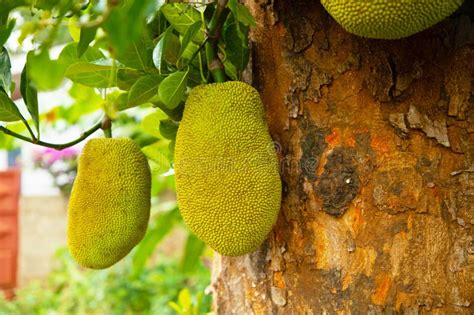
(109, 206)
(227, 173)
(389, 19)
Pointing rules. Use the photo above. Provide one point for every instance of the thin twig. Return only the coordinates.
(29, 129)
(52, 145)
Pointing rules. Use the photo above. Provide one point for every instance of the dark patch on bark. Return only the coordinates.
(313, 145)
(363, 144)
(319, 78)
(339, 183)
(301, 34)
(380, 82)
(464, 22)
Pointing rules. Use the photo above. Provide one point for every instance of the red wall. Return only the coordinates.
(9, 202)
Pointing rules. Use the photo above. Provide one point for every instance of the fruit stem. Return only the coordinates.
(53, 145)
(213, 33)
(106, 127)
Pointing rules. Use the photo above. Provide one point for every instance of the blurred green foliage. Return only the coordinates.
(157, 289)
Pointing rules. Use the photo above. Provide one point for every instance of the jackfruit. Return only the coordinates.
(227, 173)
(389, 19)
(109, 206)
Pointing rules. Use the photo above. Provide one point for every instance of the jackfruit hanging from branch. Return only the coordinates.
(227, 172)
(109, 206)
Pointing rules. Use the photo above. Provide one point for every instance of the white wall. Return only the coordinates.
(37, 182)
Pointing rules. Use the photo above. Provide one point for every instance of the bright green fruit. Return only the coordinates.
(109, 206)
(389, 19)
(227, 172)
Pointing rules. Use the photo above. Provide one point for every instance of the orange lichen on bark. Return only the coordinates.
(361, 262)
(351, 142)
(397, 250)
(278, 280)
(383, 284)
(354, 218)
(403, 299)
(320, 246)
(380, 144)
(333, 138)
(258, 308)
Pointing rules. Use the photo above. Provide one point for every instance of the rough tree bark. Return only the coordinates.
(376, 140)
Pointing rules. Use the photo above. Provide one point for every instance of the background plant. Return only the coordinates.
(61, 165)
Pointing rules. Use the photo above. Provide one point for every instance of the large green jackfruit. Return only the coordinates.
(227, 173)
(389, 19)
(109, 206)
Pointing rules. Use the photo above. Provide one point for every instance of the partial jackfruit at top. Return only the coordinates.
(389, 19)
(227, 172)
(109, 206)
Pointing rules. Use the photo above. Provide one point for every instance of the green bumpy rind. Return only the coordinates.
(389, 19)
(227, 172)
(109, 207)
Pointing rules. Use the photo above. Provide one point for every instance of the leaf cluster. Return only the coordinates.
(122, 55)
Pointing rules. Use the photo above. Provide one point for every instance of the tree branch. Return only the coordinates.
(53, 145)
(213, 33)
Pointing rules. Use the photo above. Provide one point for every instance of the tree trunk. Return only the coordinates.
(376, 140)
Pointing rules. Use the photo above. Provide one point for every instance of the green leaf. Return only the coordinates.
(143, 90)
(157, 25)
(162, 225)
(157, 153)
(237, 50)
(114, 101)
(126, 22)
(86, 37)
(30, 94)
(192, 253)
(5, 31)
(189, 52)
(165, 51)
(230, 70)
(47, 74)
(176, 113)
(172, 88)
(150, 124)
(5, 70)
(241, 13)
(69, 55)
(138, 55)
(181, 16)
(175, 307)
(189, 35)
(92, 74)
(244, 16)
(122, 101)
(127, 77)
(169, 128)
(74, 30)
(8, 110)
(184, 300)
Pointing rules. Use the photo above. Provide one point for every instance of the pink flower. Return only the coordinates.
(51, 155)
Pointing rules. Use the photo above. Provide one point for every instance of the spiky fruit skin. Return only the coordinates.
(389, 19)
(109, 206)
(227, 173)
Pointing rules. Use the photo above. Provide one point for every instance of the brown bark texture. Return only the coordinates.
(376, 141)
